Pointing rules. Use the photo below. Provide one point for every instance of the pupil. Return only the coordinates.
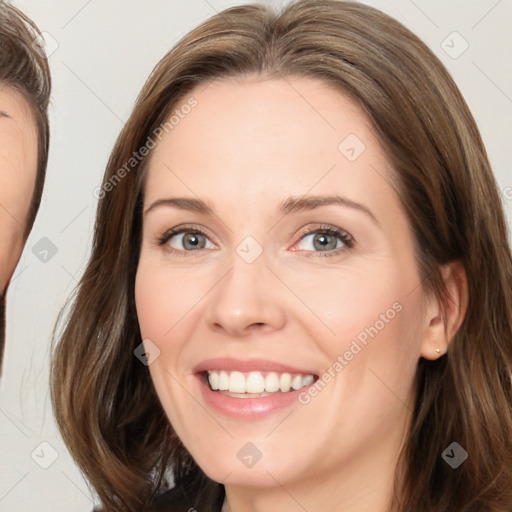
(326, 242)
(192, 241)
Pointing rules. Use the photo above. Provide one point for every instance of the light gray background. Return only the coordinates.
(106, 49)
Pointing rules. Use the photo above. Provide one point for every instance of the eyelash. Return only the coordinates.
(326, 229)
(346, 238)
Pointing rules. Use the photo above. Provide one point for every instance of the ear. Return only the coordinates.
(441, 324)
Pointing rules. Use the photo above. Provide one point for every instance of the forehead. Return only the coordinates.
(14, 105)
(18, 131)
(18, 128)
(258, 139)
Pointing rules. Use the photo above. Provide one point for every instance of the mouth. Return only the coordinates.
(251, 389)
(255, 384)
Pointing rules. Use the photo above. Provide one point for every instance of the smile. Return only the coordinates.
(256, 383)
(250, 389)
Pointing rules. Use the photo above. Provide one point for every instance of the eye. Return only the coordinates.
(185, 239)
(326, 239)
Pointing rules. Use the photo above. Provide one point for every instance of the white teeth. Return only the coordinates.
(297, 382)
(214, 380)
(256, 383)
(307, 380)
(285, 382)
(237, 382)
(272, 382)
(223, 381)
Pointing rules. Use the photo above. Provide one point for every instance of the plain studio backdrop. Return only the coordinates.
(101, 52)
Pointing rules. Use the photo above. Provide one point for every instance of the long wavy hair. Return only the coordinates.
(104, 399)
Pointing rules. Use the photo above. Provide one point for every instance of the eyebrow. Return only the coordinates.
(290, 205)
(183, 203)
(296, 204)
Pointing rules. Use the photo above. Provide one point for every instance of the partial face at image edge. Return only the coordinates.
(18, 169)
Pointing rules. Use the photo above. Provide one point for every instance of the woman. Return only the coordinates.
(299, 292)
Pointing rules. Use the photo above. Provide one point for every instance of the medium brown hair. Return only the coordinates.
(104, 400)
(24, 67)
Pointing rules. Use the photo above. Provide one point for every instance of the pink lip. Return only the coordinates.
(251, 365)
(246, 408)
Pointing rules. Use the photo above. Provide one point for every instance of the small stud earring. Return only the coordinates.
(438, 350)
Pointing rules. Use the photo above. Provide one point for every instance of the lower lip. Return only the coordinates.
(248, 408)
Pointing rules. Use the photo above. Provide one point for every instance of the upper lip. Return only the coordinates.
(249, 365)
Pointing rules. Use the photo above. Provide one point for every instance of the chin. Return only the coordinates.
(245, 461)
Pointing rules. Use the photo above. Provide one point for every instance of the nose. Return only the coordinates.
(247, 299)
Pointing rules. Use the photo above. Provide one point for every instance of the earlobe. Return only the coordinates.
(442, 323)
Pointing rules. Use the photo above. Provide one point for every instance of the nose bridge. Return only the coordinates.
(245, 298)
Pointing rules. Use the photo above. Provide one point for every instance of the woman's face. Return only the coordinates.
(291, 261)
(18, 167)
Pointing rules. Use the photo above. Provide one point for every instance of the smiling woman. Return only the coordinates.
(301, 297)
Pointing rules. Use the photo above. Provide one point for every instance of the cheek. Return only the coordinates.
(166, 301)
(18, 169)
(157, 304)
(367, 322)
(18, 165)
(354, 301)
(15, 198)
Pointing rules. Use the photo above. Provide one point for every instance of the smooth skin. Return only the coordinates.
(245, 149)
(18, 168)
